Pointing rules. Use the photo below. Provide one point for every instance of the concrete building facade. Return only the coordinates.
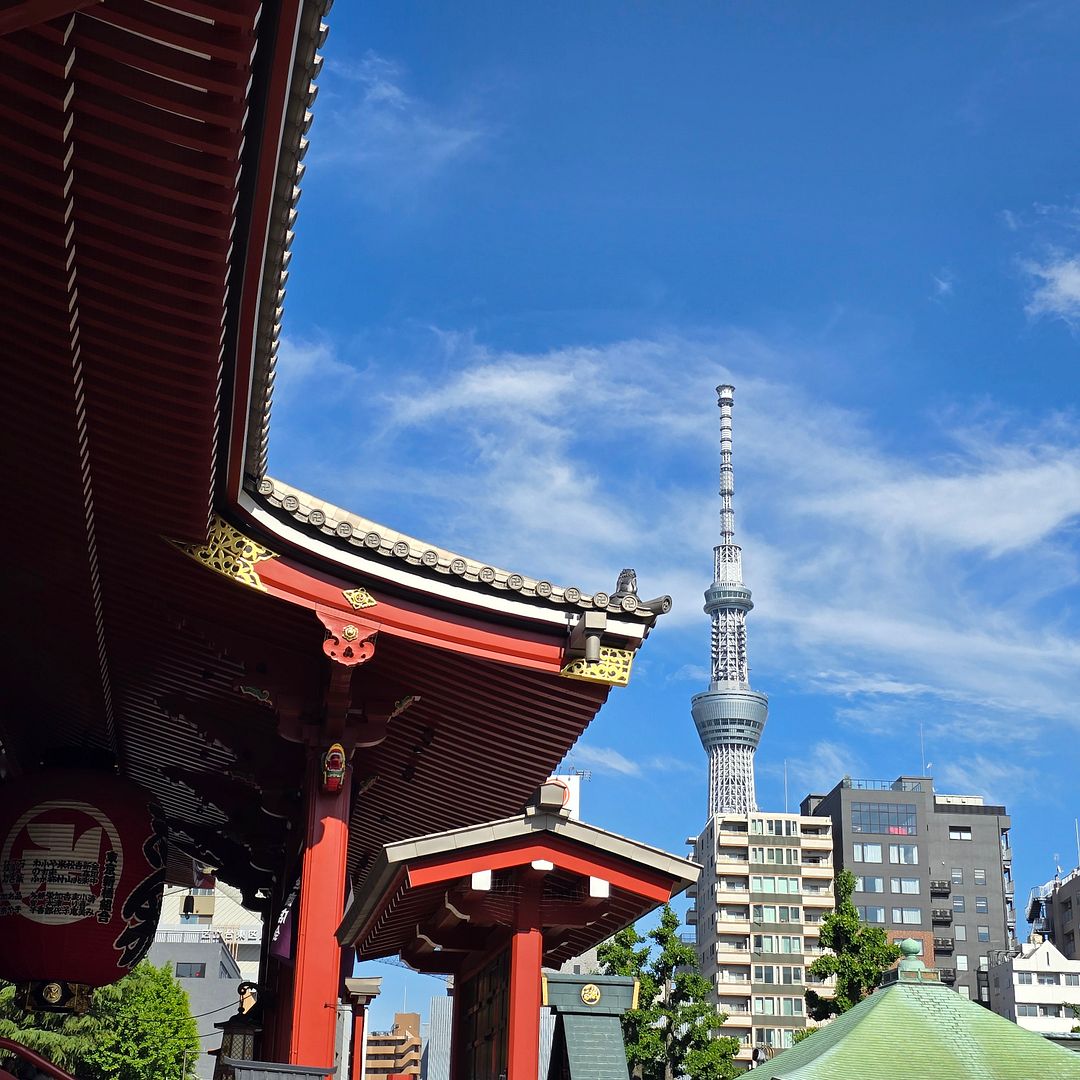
(395, 1052)
(1054, 912)
(928, 866)
(766, 885)
(1035, 987)
(211, 978)
(210, 914)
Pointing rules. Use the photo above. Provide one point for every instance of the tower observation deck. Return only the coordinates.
(729, 716)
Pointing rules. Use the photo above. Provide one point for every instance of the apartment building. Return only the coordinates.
(1053, 910)
(1035, 986)
(210, 914)
(758, 905)
(928, 866)
(395, 1052)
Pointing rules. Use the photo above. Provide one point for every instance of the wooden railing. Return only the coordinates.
(40, 1063)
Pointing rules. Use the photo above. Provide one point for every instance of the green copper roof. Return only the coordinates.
(918, 1031)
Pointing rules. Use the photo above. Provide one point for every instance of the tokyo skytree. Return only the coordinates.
(729, 716)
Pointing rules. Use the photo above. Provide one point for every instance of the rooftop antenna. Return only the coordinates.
(922, 750)
(1076, 826)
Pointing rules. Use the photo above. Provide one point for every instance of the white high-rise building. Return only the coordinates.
(767, 878)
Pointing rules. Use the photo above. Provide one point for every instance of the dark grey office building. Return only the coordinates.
(936, 868)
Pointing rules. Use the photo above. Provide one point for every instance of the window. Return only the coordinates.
(763, 884)
(787, 885)
(959, 832)
(907, 916)
(1048, 979)
(765, 1006)
(907, 854)
(1049, 1010)
(982, 906)
(1024, 978)
(960, 933)
(869, 884)
(190, 971)
(964, 991)
(961, 963)
(984, 963)
(893, 819)
(1072, 980)
(870, 914)
(867, 853)
(958, 875)
(790, 944)
(764, 913)
(791, 975)
(1027, 1010)
(788, 914)
(958, 903)
(983, 933)
(904, 884)
(792, 1006)
(980, 877)
(764, 974)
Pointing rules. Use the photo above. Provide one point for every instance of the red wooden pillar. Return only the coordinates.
(317, 970)
(356, 1047)
(526, 958)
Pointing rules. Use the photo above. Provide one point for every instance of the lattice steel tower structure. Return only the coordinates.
(729, 716)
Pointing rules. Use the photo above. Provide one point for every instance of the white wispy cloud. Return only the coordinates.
(821, 765)
(997, 778)
(881, 574)
(606, 759)
(387, 136)
(1055, 287)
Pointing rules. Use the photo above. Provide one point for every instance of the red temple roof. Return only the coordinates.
(170, 607)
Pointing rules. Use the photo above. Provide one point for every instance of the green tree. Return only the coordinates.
(860, 955)
(149, 1033)
(139, 1028)
(64, 1040)
(673, 1031)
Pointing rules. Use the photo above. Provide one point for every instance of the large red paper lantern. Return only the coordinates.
(82, 870)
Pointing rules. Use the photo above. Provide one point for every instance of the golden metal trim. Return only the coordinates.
(613, 667)
(229, 552)
(359, 597)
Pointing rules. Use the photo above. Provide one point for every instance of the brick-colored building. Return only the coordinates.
(395, 1052)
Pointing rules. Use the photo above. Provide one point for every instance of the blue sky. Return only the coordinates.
(532, 240)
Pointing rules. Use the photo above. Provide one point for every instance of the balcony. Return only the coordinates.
(948, 975)
(940, 888)
(817, 870)
(943, 944)
(1006, 854)
(691, 916)
(941, 915)
(1008, 888)
(737, 1017)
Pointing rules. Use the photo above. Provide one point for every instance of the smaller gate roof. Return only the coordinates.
(423, 901)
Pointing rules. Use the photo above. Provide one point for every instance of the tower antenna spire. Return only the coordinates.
(729, 716)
